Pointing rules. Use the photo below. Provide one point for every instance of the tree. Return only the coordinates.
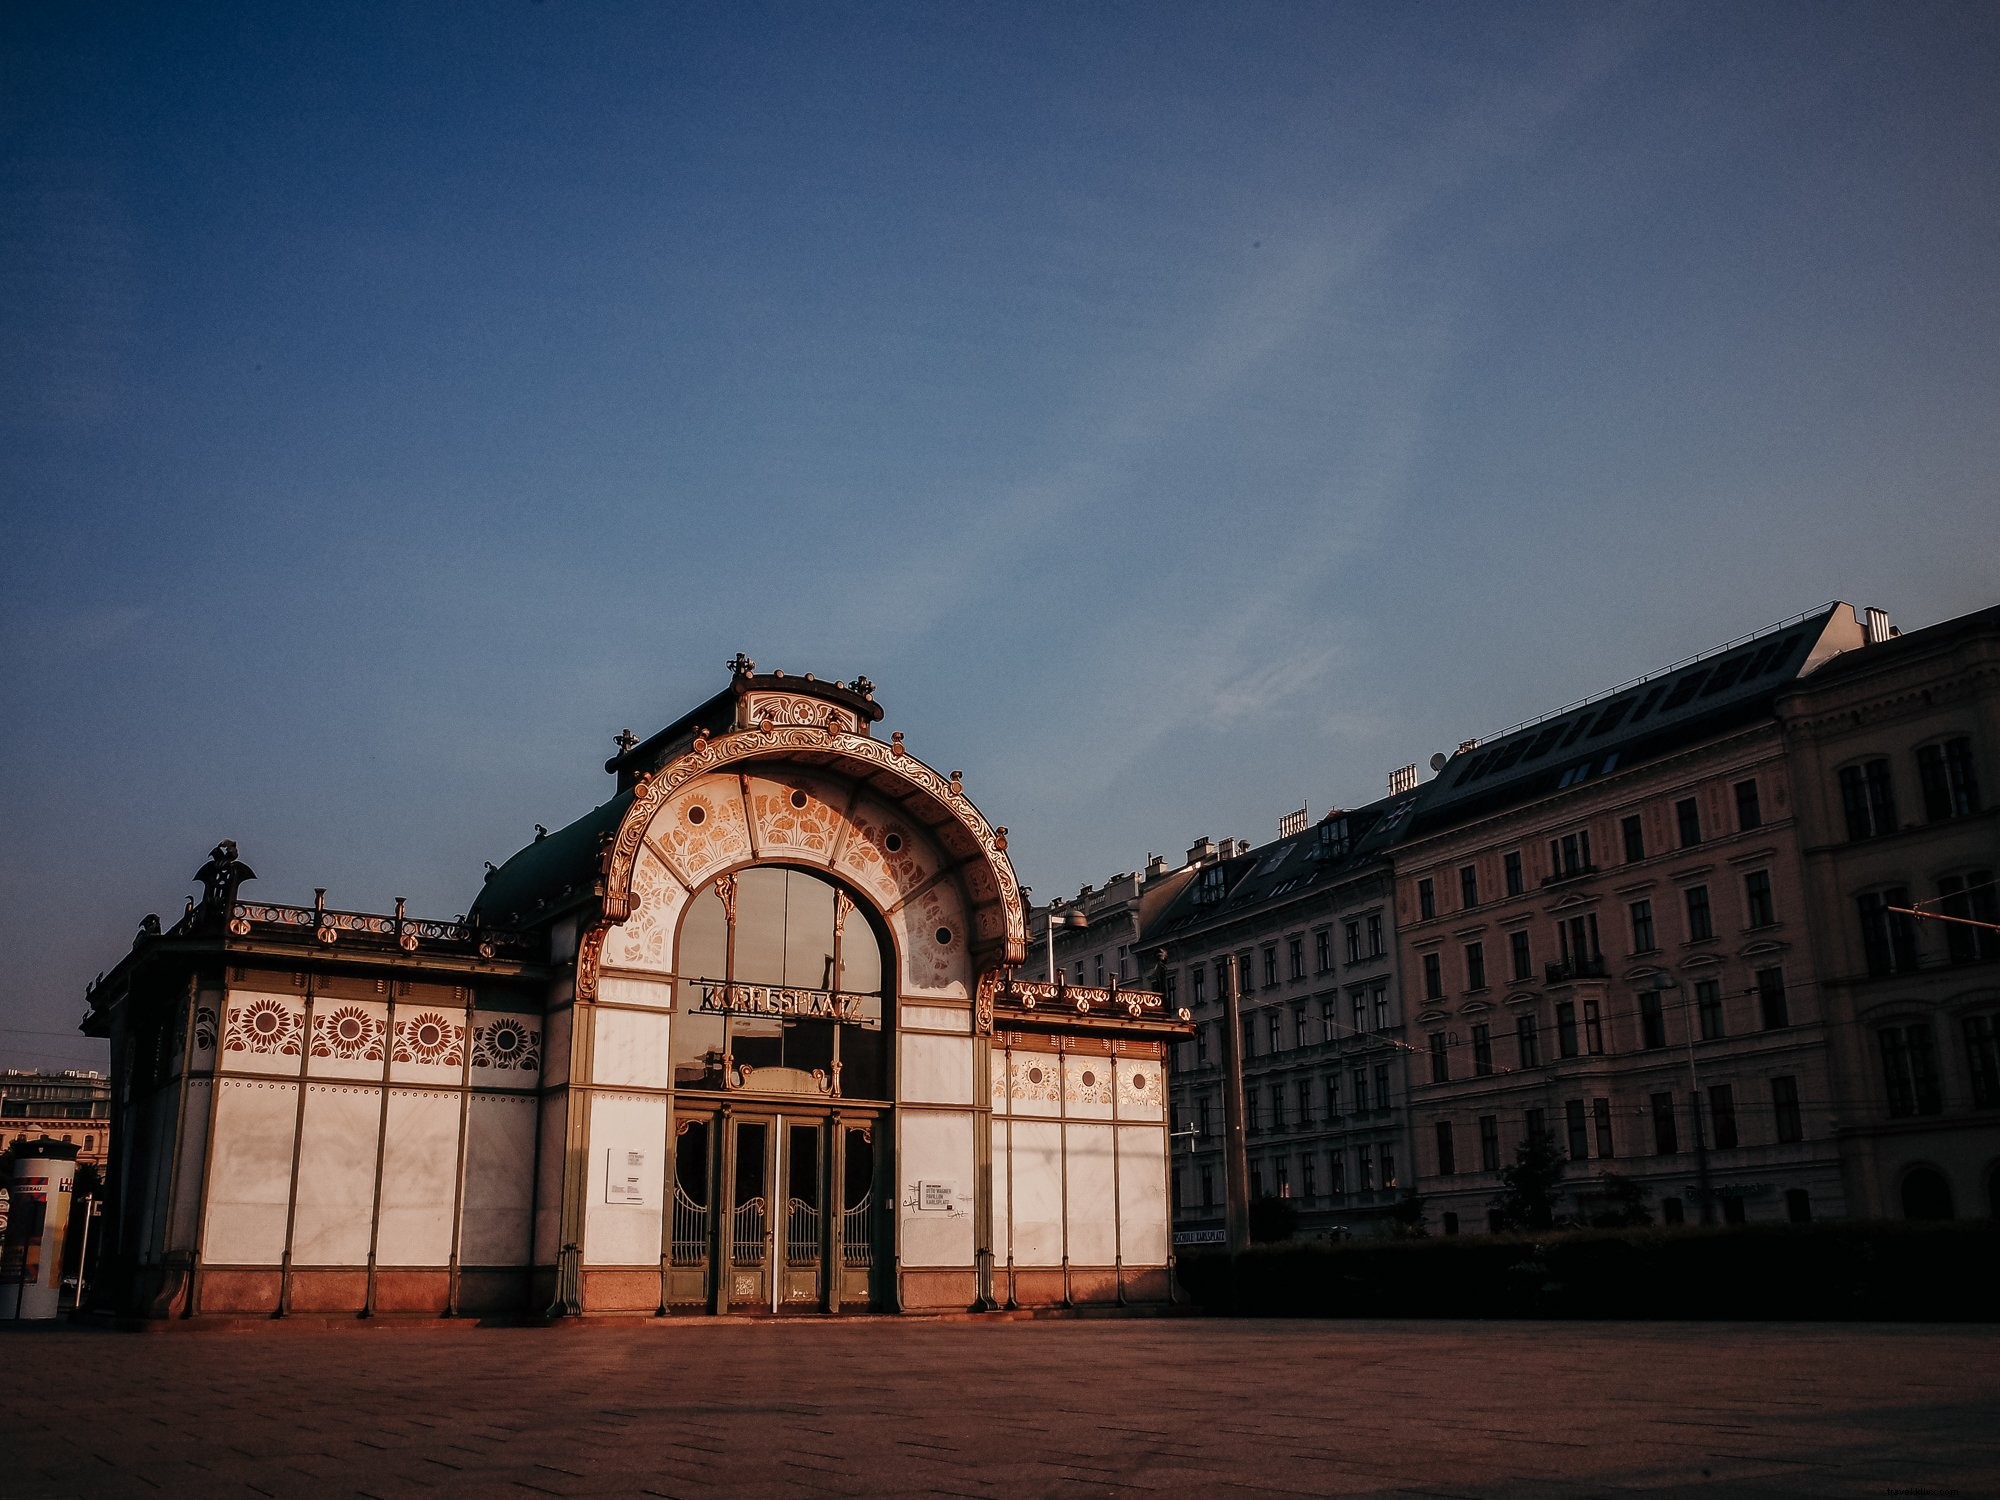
(1408, 1218)
(1533, 1184)
(1272, 1219)
(1620, 1203)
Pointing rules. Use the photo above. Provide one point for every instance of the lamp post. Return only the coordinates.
(1662, 982)
(1073, 919)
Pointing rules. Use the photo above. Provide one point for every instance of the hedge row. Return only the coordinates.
(1916, 1272)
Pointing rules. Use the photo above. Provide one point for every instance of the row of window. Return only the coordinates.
(1579, 1027)
(1590, 1126)
(1889, 931)
(1569, 853)
(1579, 953)
(1946, 780)
(1364, 937)
(1373, 1167)
(1910, 1075)
(1274, 1029)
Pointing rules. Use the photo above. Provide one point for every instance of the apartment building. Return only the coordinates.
(1604, 930)
(67, 1105)
(1298, 933)
(1895, 751)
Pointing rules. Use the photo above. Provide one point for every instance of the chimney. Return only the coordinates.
(1201, 851)
(1877, 623)
(1403, 779)
(1156, 866)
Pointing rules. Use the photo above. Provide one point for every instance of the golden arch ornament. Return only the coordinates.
(960, 828)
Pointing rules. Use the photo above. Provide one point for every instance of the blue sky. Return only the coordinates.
(1183, 413)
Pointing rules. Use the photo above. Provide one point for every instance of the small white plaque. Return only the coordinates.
(625, 1177)
(936, 1197)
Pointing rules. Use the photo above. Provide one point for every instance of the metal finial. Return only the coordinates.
(741, 665)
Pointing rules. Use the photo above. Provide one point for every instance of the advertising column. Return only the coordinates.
(37, 1216)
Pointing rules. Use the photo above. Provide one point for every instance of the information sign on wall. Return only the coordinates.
(625, 1177)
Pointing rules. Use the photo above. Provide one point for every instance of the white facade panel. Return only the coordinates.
(1142, 1195)
(499, 1180)
(187, 1185)
(252, 1176)
(628, 989)
(336, 1175)
(348, 1039)
(507, 1051)
(936, 1069)
(427, 1044)
(1035, 1083)
(549, 1176)
(623, 1200)
(263, 1032)
(631, 1049)
(1140, 1088)
(1086, 1087)
(935, 1018)
(419, 1178)
(1038, 1205)
(1093, 1196)
(935, 1167)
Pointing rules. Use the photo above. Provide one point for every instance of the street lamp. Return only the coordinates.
(1074, 920)
(1660, 982)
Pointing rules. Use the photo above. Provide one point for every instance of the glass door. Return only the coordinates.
(748, 1243)
(689, 1247)
(803, 1172)
(860, 1233)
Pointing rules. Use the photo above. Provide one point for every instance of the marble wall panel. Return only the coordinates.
(623, 1233)
(630, 1050)
(251, 1174)
(935, 1018)
(629, 989)
(1002, 1151)
(499, 1180)
(1093, 1196)
(507, 1050)
(348, 1039)
(1087, 1086)
(187, 1186)
(548, 1175)
(336, 1175)
(935, 1148)
(419, 1178)
(427, 1044)
(555, 1046)
(263, 1032)
(702, 827)
(998, 1060)
(935, 1069)
(1142, 1195)
(1038, 1185)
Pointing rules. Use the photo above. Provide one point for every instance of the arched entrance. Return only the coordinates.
(782, 1089)
(1926, 1194)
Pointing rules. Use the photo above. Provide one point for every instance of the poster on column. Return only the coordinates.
(625, 1177)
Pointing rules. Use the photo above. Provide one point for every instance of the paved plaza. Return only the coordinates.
(1133, 1407)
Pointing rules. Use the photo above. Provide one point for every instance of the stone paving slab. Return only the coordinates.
(1002, 1410)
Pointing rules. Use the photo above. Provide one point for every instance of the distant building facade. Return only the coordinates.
(750, 1037)
(1299, 932)
(1606, 939)
(1895, 754)
(68, 1105)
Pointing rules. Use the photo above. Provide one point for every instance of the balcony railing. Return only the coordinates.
(1570, 969)
(1573, 872)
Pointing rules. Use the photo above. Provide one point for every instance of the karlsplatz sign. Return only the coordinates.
(781, 1000)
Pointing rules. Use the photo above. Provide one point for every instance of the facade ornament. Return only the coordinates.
(740, 665)
(625, 740)
(896, 744)
(221, 876)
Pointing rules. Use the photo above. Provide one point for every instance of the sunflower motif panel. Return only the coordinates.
(427, 1045)
(263, 1033)
(884, 856)
(930, 930)
(702, 827)
(797, 817)
(349, 1038)
(1139, 1095)
(997, 1061)
(506, 1050)
(1087, 1086)
(645, 940)
(1037, 1083)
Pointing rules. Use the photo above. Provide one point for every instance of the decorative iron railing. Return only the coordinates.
(801, 1233)
(747, 1233)
(857, 1233)
(328, 926)
(690, 1230)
